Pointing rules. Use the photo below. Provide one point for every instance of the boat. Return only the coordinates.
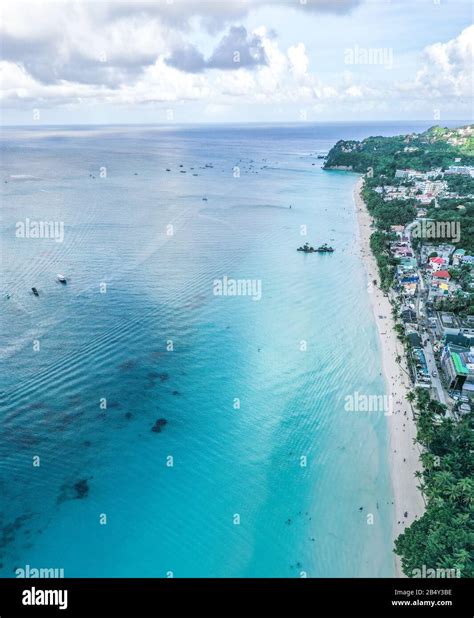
(62, 279)
(35, 291)
(306, 248)
(324, 249)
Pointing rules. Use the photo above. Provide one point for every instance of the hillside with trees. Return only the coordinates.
(436, 147)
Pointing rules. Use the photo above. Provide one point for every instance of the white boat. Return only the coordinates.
(62, 278)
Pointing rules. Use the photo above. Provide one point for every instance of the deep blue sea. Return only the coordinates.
(156, 343)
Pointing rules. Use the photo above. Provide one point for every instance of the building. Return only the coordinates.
(458, 367)
(409, 288)
(438, 289)
(414, 338)
(425, 198)
(434, 172)
(407, 264)
(437, 263)
(442, 274)
(408, 316)
(467, 326)
(401, 174)
(401, 250)
(398, 230)
(463, 409)
(419, 368)
(447, 324)
(458, 256)
(443, 250)
(460, 169)
(409, 174)
(459, 340)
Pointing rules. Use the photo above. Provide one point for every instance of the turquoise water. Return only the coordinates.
(293, 519)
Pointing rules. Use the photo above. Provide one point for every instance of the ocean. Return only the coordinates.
(257, 469)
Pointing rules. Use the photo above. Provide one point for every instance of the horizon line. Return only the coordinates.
(236, 123)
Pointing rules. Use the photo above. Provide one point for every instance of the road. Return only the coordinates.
(430, 359)
(421, 295)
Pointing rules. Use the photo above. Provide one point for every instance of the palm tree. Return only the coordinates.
(465, 490)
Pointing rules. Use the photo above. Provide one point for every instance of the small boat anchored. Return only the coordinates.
(35, 291)
(306, 248)
(325, 249)
(61, 278)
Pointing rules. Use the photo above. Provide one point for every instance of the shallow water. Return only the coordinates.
(294, 519)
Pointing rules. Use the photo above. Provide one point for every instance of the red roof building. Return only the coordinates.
(442, 274)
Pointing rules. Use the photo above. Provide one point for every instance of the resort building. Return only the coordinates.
(458, 366)
(419, 367)
(447, 324)
(460, 169)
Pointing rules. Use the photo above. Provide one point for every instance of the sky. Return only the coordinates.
(204, 61)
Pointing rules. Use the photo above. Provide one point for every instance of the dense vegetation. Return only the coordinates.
(385, 214)
(385, 262)
(385, 155)
(462, 304)
(395, 212)
(448, 210)
(444, 536)
(401, 212)
(461, 184)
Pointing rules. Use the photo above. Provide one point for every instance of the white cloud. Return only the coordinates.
(147, 53)
(299, 61)
(447, 70)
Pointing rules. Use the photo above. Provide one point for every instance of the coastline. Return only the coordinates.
(404, 454)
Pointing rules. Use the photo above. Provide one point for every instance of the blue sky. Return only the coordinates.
(236, 61)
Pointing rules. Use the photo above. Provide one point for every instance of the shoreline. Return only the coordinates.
(404, 454)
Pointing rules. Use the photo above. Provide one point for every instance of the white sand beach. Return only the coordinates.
(404, 455)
